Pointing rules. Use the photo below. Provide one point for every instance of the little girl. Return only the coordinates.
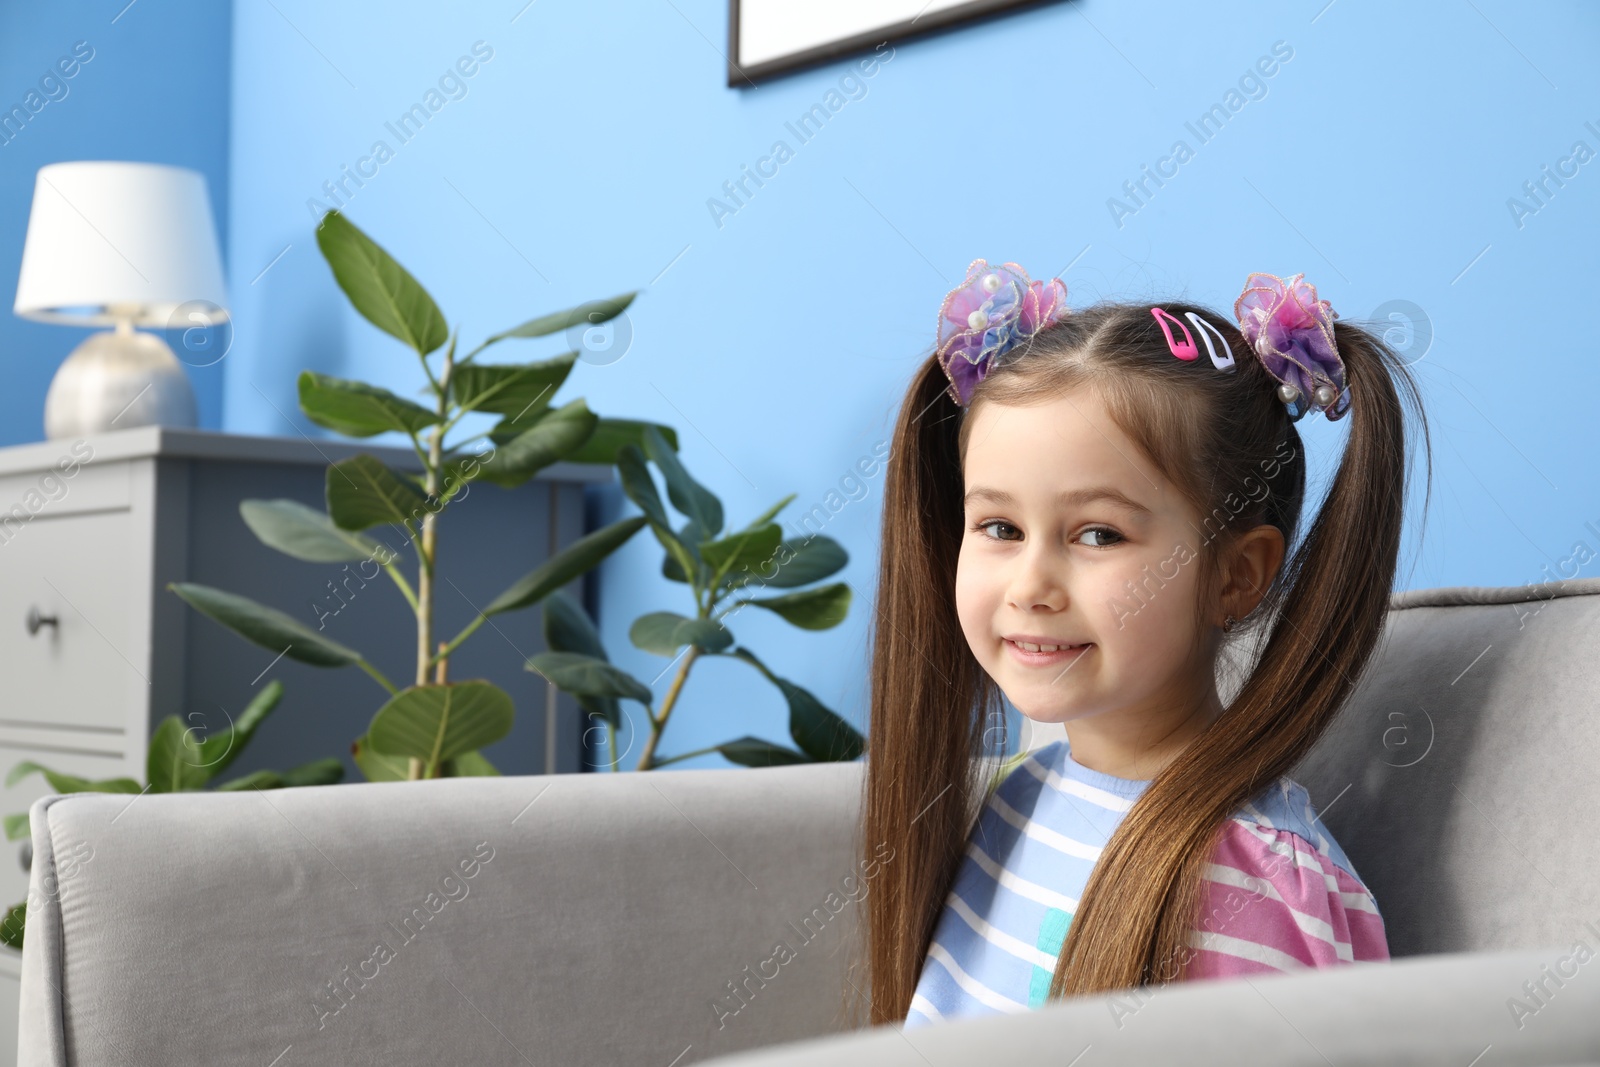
(1081, 509)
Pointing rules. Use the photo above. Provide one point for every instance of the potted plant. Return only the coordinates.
(431, 726)
(721, 571)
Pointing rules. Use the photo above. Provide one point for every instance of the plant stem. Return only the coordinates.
(426, 553)
(466, 632)
(377, 676)
(405, 586)
(687, 755)
(659, 724)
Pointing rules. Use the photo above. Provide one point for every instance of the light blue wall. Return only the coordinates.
(155, 90)
(1378, 160)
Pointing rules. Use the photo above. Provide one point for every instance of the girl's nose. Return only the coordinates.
(1038, 583)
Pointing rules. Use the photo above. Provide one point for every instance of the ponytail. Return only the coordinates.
(922, 782)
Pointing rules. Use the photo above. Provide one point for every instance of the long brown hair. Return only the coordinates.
(1227, 442)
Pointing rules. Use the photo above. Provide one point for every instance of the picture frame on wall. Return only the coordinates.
(768, 38)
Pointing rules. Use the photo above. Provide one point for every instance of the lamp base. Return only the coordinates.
(116, 380)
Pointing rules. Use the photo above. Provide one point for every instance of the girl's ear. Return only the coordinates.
(1251, 565)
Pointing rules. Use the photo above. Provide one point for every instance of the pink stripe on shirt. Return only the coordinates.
(1271, 903)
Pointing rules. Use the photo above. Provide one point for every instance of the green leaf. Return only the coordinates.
(687, 495)
(611, 434)
(376, 766)
(520, 392)
(550, 439)
(634, 473)
(253, 780)
(469, 765)
(362, 492)
(810, 609)
(579, 674)
(681, 551)
(747, 549)
(267, 627)
(305, 533)
(317, 772)
(794, 563)
(821, 734)
(357, 409)
(216, 750)
(381, 289)
(594, 312)
(664, 632)
(438, 722)
(568, 628)
(17, 826)
(171, 763)
(767, 516)
(671, 569)
(754, 752)
(71, 783)
(11, 927)
(576, 559)
(637, 484)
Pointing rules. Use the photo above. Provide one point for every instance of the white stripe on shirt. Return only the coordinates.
(976, 989)
(1043, 834)
(1310, 924)
(1019, 885)
(1247, 950)
(1071, 787)
(999, 938)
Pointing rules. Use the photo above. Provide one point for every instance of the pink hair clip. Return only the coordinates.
(1188, 350)
(1185, 351)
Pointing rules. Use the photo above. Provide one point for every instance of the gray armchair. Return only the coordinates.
(627, 919)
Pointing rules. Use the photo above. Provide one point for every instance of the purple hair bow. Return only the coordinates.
(1292, 333)
(991, 312)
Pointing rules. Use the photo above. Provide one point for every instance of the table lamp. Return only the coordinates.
(121, 245)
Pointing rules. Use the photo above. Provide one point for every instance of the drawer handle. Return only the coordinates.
(36, 620)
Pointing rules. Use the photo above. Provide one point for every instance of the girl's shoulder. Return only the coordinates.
(1279, 894)
(1281, 813)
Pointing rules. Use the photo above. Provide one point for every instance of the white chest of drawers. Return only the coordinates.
(95, 650)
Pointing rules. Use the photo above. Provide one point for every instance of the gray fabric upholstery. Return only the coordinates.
(202, 929)
(617, 912)
(1460, 777)
(1447, 1010)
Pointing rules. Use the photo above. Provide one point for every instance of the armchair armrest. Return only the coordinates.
(1447, 1009)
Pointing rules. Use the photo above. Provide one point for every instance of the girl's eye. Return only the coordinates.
(995, 522)
(1104, 532)
(1100, 531)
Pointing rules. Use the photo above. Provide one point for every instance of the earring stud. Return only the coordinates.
(1227, 623)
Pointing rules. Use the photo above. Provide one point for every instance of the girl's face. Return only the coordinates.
(1073, 538)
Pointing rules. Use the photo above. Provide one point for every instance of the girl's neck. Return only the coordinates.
(1139, 745)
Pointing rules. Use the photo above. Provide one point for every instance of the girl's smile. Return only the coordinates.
(1042, 654)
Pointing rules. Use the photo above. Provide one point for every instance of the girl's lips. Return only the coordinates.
(1045, 659)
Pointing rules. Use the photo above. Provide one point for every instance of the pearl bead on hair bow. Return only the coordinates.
(1292, 333)
(991, 312)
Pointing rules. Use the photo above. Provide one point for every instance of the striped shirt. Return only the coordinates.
(1279, 894)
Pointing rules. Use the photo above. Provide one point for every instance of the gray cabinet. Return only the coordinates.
(95, 650)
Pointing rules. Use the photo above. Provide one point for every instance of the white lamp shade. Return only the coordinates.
(109, 241)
